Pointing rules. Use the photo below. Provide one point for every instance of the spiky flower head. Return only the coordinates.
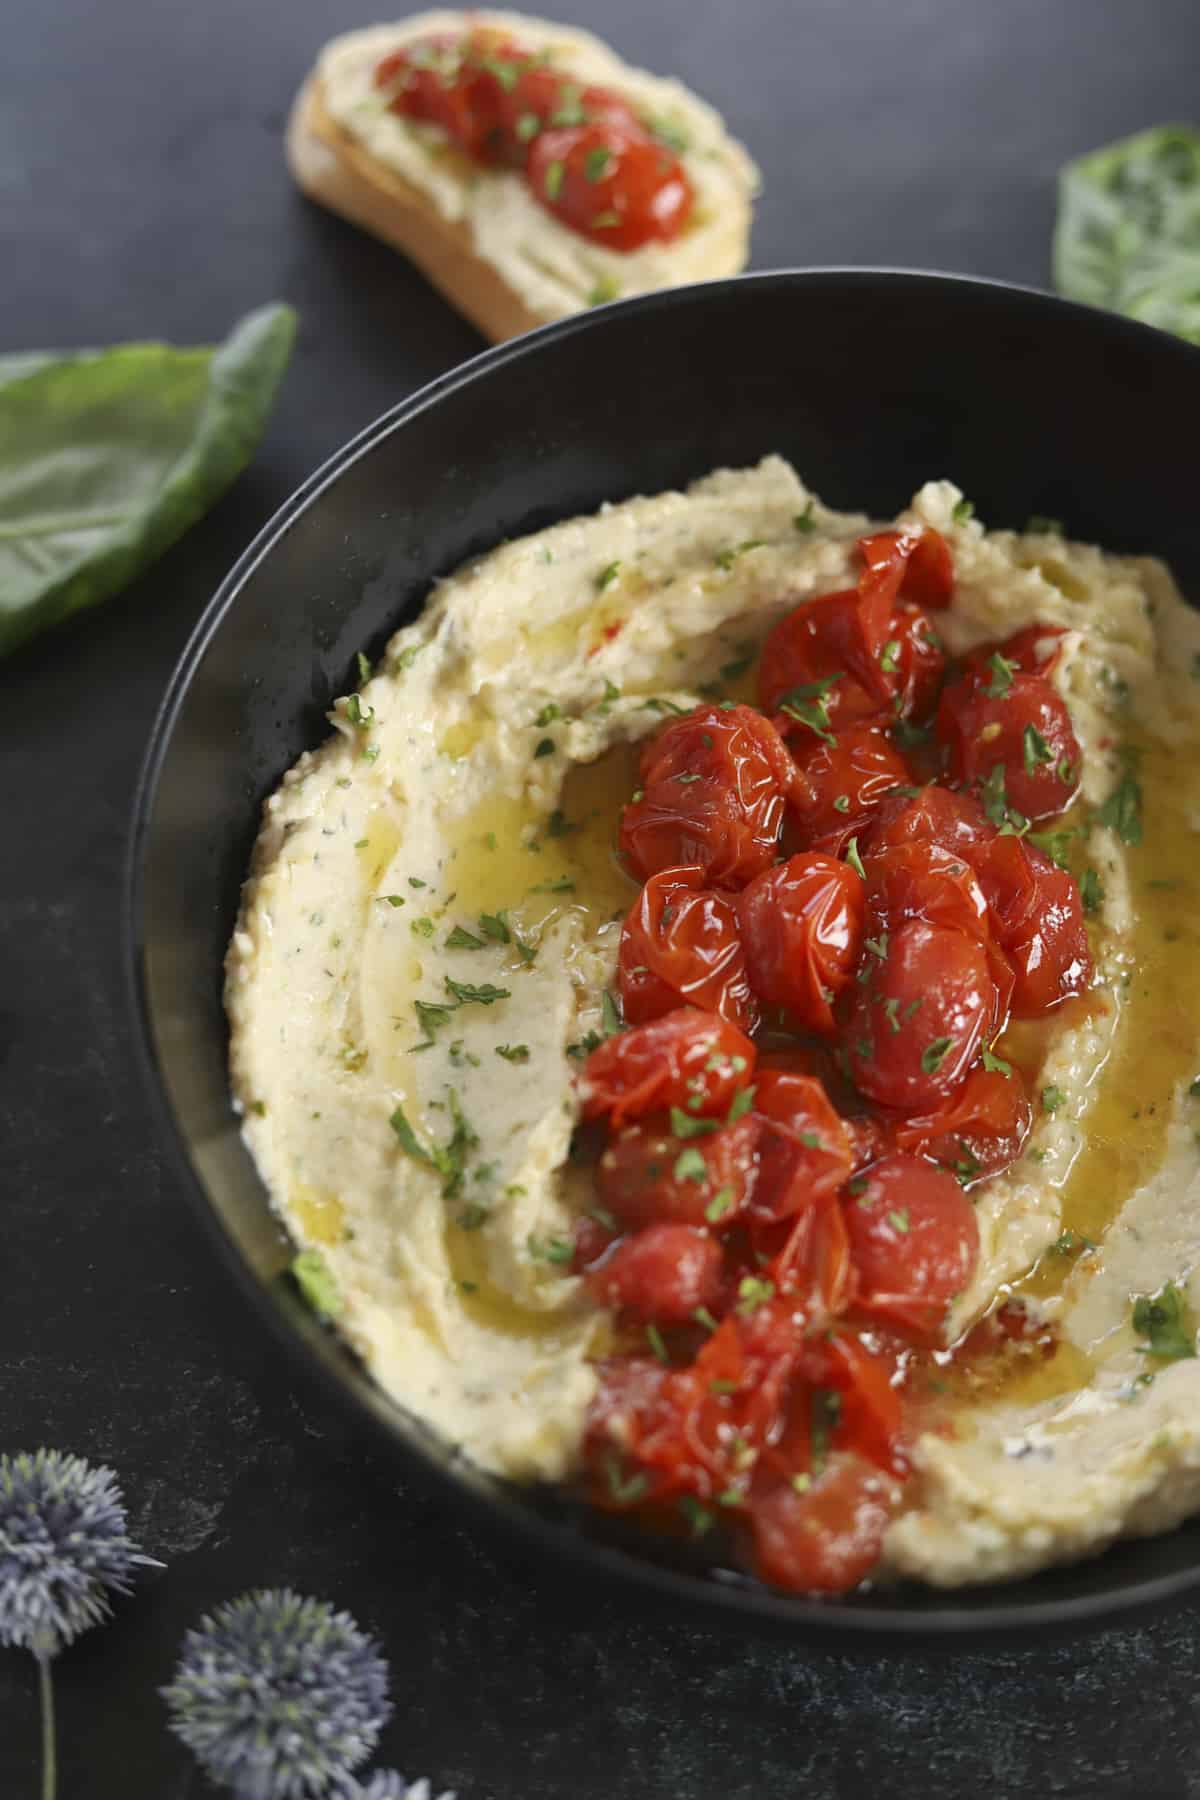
(64, 1549)
(279, 1697)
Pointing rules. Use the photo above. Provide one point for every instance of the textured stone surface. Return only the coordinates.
(143, 190)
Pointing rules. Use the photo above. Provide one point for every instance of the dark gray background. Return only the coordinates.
(142, 193)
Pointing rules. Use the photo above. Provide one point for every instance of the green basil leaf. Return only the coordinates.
(108, 456)
(1128, 231)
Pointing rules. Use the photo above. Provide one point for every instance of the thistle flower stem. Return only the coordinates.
(49, 1753)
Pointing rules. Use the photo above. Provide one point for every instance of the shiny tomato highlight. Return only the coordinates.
(681, 945)
(801, 927)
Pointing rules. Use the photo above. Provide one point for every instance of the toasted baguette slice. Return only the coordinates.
(479, 236)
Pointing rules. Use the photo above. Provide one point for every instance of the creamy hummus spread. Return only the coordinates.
(553, 270)
(430, 929)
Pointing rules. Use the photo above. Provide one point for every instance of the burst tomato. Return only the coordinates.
(1034, 650)
(914, 1240)
(913, 564)
(826, 1539)
(1026, 732)
(839, 786)
(690, 1059)
(805, 1150)
(914, 1026)
(611, 182)
(714, 787)
(934, 816)
(923, 881)
(1037, 920)
(647, 1174)
(801, 926)
(980, 1132)
(833, 663)
(680, 945)
(440, 79)
(664, 1272)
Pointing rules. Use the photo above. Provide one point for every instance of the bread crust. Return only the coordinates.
(329, 166)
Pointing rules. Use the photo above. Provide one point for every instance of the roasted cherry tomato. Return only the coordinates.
(827, 1538)
(664, 1272)
(680, 945)
(1034, 650)
(830, 664)
(441, 79)
(914, 1240)
(612, 183)
(870, 1413)
(934, 816)
(915, 1025)
(839, 786)
(801, 925)
(714, 787)
(1025, 733)
(804, 1150)
(529, 99)
(1037, 920)
(689, 1059)
(980, 1132)
(648, 1175)
(911, 564)
(923, 881)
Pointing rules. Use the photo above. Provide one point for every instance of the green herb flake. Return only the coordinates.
(528, 126)
(809, 705)
(624, 1491)
(740, 1105)
(595, 163)
(683, 1125)
(1163, 1320)
(1122, 811)
(721, 1202)
(394, 899)
(495, 926)
(935, 1054)
(900, 1221)
(655, 1341)
(1036, 749)
(804, 521)
(690, 1165)
(545, 747)
(889, 656)
(513, 1053)
(752, 1293)
(462, 939)
(610, 1018)
(422, 927)
(1001, 677)
(1091, 891)
(605, 289)
(700, 1518)
(963, 510)
(467, 995)
(553, 179)
(841, 803)
(607, 576)
(551, 1250)
(995, 1065)
(854, 859)
(1052, 1098)
(317, 1288)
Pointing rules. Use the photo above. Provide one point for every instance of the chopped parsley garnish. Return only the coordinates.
(889, 656)
(1122, 811)
(935, 1054)
(841, 803)
(804, 521)
(394, 899)
(684, 1126)
(606, 289)
(727, 558)
(1001, 678)
(1052, 1098)
(752, 1291)
(422, 927)
(1036, 749)
(553, 181)
(552, 1250)
(719, 1205)
(669, 133)
(528, 126)
(495, 925)
(809, 705)
(823, 1422)
(891, 1008)
(1008, 821)
(467, 995)
(414, 881)
(549, 713)
(364, 667)
(1071, 1243)
(900, 1221)
(626, 1491)
(317, 1289)
(410, 1143)
(545, 747)
(995, 1065)
(461, 939)
(854, 859)
(690, 1165)
(1163, 1320)
(610, 1018)
(562, 886)
(877, 946)
(740, 1105)
(963, 509)
(358, 714)
(607, 576)
(514, 1053)
(654, 1339)
(1091, 891)
(1054, 844)
(700, 1518)
(431, 1015)
(596, 162)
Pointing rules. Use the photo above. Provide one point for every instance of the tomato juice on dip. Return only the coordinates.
(719, 1017)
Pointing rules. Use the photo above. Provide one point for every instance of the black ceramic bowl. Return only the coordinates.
(869, 382)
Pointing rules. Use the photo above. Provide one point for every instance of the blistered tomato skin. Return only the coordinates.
(914, 1239)
(664, 1272)
(805, 1153)
(956, 822)
(839, 787)
(913, 564)
(916, 1024)
(1026, 731)
(612, 183)
(801, 926)
(826, 1539)
(648, 1175)
(1037, 920)
(978, 1133)
(714, 788)
(689, 1059)
(681, 945)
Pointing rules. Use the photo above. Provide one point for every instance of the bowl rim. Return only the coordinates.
(864, 1625)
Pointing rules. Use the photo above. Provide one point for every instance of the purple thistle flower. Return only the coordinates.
(279, 1697)
(63, 1549)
